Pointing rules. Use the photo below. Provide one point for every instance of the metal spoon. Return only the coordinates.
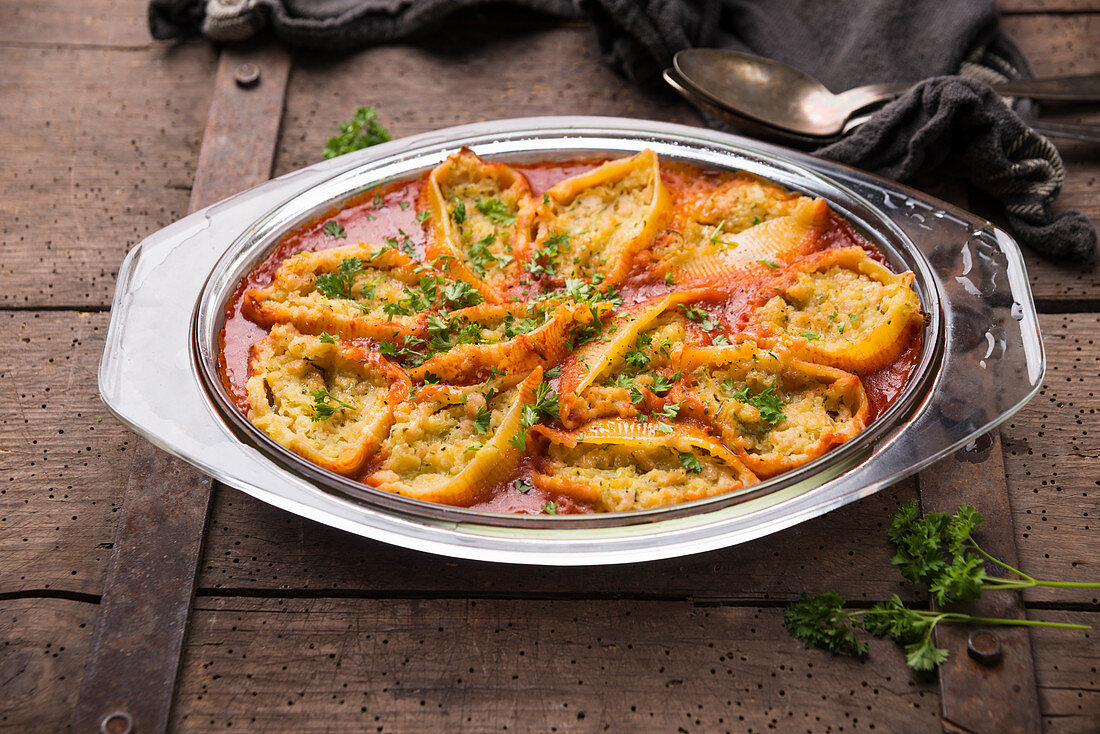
(774, 94)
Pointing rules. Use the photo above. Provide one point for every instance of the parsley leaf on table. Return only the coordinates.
(361, 131)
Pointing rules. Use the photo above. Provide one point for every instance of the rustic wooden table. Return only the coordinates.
(299, 626)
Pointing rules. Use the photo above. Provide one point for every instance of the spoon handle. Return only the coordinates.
(1079, 88)
(1070, 130)
(1075, 88)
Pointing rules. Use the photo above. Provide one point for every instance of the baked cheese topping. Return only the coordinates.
(628, 337)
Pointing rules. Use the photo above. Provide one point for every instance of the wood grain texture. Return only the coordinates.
(253, 547)
(101, 164)
(43, 643)
(1066, 667)
(1058, 45)
(117, 23)
(416, 88)
(98, 153)
(1052, 447)
(64, 460)
(1010, 7)
(316, 665)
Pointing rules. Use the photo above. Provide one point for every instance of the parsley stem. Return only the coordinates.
(955, 617)
(1026, 581)
(960, 618)
(999, 562)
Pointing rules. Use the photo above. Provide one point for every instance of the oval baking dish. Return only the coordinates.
(981, 355)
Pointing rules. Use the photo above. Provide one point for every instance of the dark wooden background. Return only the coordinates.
(300, 626)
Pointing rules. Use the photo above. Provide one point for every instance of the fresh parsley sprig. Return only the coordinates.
(935, 550)
(821, 621)
(940, 551)
(361, 131)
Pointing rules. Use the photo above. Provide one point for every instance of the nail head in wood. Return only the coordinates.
(117, 723)
(985, 647)
(247, 75)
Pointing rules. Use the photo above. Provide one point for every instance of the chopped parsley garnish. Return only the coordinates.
(767, 402)
(361, 131)
(690, 462)
(460, 294)
(395, 309)
(338, 284)
(327, 338)
(810, 335)
(545, 406)
(403, 204)
(522, 487)
(717, 231)
(550, 507)
(720, 340)
(408, 350)
(322, 410)
(700, 317)
(547, 256)
(670, 411)
(533, 319)
(333, 229)
(496, 211)
(546, 401)
(636, 396)
(480, 256)
(638, 358)
(772, 264)
(458, 214)
(423, 216)
(405, 244)
(669, 280)
(481, 420)
(662, 383)
(553, 373)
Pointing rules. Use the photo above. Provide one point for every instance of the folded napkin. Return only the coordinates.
(950, 125)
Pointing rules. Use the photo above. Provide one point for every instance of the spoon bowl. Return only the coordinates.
(774, 94)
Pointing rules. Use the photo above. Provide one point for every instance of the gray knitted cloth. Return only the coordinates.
(950, 125)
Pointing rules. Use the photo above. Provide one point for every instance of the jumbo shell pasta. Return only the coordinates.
(570, 337)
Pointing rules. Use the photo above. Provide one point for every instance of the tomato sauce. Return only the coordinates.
(389, 213)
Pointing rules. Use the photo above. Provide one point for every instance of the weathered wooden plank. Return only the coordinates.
(150, 582)
(980, 481)
(102, 148)
(256, 547)
(44, 643)
(120, 23)
(1057, 45)
(64, 460)
(469, 665)
(1051, 451)
(508, 72)
(98, 153)
(1010, 7)
(1065, 665)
